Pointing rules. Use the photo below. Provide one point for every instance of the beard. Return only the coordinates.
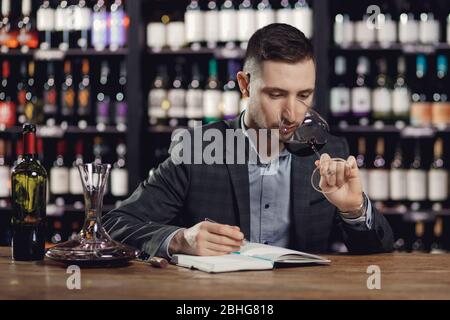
(258, 118)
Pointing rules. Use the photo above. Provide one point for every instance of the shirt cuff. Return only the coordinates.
(364, 222)
(163, 250)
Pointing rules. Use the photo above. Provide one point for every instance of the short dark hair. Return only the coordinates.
(278, 42)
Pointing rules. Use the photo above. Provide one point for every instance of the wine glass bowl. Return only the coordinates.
(320, 181)
(310, 137)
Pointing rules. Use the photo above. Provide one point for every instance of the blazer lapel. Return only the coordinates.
(301, 170)
(240, 183)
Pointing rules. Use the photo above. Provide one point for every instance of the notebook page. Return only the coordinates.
(273, 253)
(231, 262)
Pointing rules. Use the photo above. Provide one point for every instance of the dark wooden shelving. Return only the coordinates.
(53, 210)
(406, 132)
(58, 132)
(56, 54)
(414, 48)
(415, 216)
(218, 53)
(164, 129)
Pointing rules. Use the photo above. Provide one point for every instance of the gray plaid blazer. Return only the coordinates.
(184, 194)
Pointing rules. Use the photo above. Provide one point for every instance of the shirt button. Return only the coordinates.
(267, 206)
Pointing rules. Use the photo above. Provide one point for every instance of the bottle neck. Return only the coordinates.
(29, 142)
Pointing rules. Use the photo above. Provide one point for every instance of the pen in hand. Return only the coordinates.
(244, 241)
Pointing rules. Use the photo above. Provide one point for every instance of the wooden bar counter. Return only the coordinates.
(403, 276)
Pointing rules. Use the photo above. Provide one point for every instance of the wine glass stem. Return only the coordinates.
(313, 147)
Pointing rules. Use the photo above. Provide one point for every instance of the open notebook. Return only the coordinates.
(253, 256)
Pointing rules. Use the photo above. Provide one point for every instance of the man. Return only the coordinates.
(166, 213)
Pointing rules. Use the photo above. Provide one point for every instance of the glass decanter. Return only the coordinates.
(93, 245)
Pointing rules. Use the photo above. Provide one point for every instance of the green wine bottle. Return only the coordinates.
(29, 180)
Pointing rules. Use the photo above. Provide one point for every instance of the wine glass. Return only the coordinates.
(307, 139)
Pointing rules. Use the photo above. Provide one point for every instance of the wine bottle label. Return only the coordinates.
(84, 98)
(82, 18)
(382, 100)
(285, 16)
(119, 182)
(379, 184)
(230, 100)
(177, 98)
(338, 32)
(398, 184)
(211, 103)
(63, 19)
(417, 185)
(193, 20)
(344, 32)
(421, 114)
(387, 34)
(100, 30)
(340, 101)
(155, 101)
(175, 35)
(120, 111)
(7, 113)
(75, 185)
(303, 20)
(4, 181)
(50, 107)
(29, 112)
(361, 100)
(156, 35)
(400, 101)
(264, 18)
(429, 31)
(59, 180)
(213, 23)
(194, 104)
(440, 113)
(364, 35)
(45, 19)
(228, 25)
(117, 32)
(68, 102)
(21, 101)
(103, 112)
(437, 185)
(247, 24)
(364, 175)
(408, 32)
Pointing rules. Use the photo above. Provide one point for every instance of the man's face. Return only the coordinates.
(282, 92)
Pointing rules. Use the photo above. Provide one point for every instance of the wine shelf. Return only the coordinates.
(59, 132)
(55, 54)
(164, 129)
(54, 210)
(401, 48)
(406, 132)
(218, 53)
